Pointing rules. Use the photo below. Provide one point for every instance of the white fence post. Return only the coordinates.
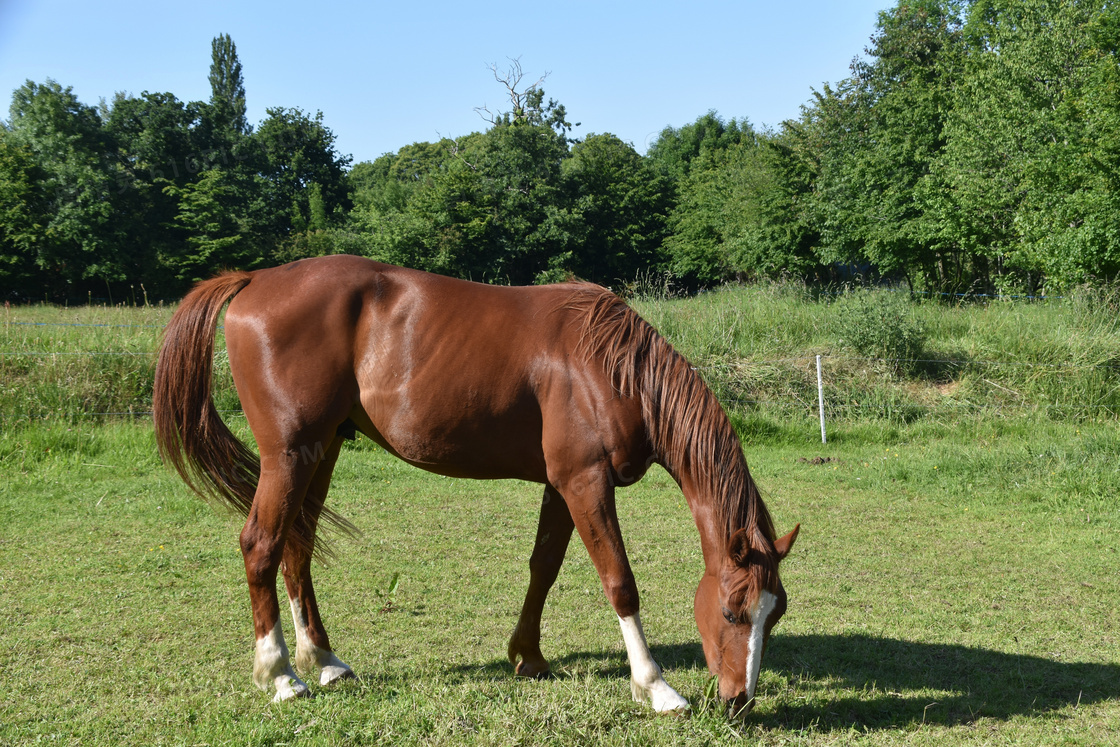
(820, 398)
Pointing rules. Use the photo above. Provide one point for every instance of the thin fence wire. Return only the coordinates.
(712, 367)
(837, 404)
(834, 409)
(76, 324)
(133, 414)
(50, 353)
(942, 294)
(939, 361)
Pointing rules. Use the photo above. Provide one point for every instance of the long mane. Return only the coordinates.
(688, 429)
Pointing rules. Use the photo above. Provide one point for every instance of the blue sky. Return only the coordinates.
(388, 74)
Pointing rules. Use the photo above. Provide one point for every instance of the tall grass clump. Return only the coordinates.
(886, 358)
(86, 362)
(734, 324)
(880, 324)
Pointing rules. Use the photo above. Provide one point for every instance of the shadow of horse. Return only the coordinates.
(903, 682)
(899, 683)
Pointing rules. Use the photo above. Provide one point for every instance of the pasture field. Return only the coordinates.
(755, 345)
(955, 580)
(950, 585)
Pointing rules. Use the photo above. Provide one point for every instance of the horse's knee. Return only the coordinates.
(544, 561)
(622, 593)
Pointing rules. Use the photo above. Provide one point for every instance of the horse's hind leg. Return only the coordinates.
(313, 649)
(286, 472)
(554, 530)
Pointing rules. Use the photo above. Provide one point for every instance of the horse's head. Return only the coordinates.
(736, 608)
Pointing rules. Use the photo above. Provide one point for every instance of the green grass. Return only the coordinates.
(84, 363)
(756, 346)
(950, 585)
(955, 580)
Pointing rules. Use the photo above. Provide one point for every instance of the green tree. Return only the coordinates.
(79, 246)
(489, 206)
(775, 183)
(676, 147)
(153, 137)
(613, 214)
(700, 159)
(488, 212)
(527, 104)
(693, 159)
(884, 130)
(23, 217)
(227, 90)
(702, 221)
(215, 238)
(1031, 160)
(388, 182)
(291, 152)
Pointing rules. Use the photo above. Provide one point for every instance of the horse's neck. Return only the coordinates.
(711, 520)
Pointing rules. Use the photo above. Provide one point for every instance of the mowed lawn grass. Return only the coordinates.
(952, 583)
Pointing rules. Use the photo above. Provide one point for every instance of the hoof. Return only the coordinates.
(661, 697)
(332, 674)
(289, 688)
(537, 671)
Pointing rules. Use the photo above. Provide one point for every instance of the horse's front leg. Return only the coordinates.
(554, 530)
(591, 500)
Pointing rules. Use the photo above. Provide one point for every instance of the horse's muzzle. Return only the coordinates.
(739, 706)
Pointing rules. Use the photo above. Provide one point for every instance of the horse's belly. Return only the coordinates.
(457, 440)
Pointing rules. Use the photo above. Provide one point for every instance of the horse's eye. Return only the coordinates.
(728, 616)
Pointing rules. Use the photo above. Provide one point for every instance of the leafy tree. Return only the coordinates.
(701, 222)
(389, 182)
(215, 239)
(153, 138)
(153, 135)
(293, 151)
(486, 212)
(613, 214)
(149, 189)
(22, 218)
(488, 206)
(527, 106)
(227, 90)
(676, 147)
(697, 158)
(884, 130)
(778, 236)
(1031, 158)
(78, 241)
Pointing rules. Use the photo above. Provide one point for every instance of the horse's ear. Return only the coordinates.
(739, 547)
(784, 544)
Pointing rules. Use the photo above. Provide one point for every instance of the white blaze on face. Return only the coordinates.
(759, 615)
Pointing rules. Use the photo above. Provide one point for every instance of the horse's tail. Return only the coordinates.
(191, 435)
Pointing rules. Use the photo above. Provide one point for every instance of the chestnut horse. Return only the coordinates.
(562, 385)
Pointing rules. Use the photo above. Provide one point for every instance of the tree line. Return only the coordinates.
(974, 147)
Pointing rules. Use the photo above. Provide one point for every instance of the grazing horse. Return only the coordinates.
(562, 385)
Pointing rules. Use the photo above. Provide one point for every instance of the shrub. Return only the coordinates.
(879, 324)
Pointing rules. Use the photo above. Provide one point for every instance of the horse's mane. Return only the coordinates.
(687, 427)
